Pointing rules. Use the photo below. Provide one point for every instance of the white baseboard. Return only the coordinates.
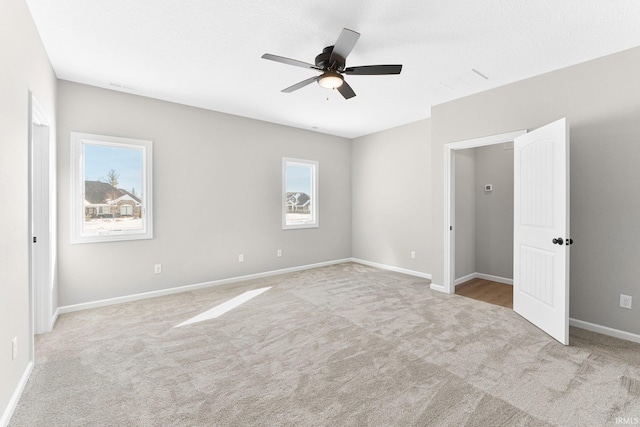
(463, 279)
(392, 268)
(55, 317)
(178, 289)
(11, 407)
(605, 330)
(484, 277)
(438, 288)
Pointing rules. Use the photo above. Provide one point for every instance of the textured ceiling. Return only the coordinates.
(207, 53)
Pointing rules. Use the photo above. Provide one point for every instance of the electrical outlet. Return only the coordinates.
(625, 301)
(413, 254)
(14, 348)
(157, 269)
(279, 252)
(241, 258)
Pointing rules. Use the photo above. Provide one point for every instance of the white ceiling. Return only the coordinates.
(207, 53)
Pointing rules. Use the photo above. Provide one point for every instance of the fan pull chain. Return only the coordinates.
(329, 93)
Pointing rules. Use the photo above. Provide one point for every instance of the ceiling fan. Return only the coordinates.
(332, 63)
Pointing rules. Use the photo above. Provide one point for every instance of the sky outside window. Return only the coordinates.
(298, 178)
(127, 162)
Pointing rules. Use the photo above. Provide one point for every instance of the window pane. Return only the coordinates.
(300, 198)
(112, 186)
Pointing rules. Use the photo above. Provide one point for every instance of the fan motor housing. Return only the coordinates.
(322, 60)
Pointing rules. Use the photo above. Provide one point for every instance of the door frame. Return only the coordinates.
(41, 293)
(449, 194)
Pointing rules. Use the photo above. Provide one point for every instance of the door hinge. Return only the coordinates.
(451, 228)
(35, 239)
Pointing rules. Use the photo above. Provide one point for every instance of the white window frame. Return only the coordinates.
(315, 205)
(78, 141)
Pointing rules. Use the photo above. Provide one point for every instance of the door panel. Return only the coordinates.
(41, 276)
(541, 214)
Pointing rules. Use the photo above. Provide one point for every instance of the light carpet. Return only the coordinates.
(344, 345)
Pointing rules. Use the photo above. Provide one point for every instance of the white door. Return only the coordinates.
(41, 277)
(541, 229)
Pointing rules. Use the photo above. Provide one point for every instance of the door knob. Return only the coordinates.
(558, 241)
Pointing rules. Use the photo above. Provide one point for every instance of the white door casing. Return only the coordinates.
(448, 285)
(541, 229)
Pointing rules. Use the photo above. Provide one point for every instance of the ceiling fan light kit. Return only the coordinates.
(332, 63)
(330, 80)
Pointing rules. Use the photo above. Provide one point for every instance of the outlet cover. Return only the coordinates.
(241, 258)
(413, 254)
(279, 252)
(14, 348)
(625, 301)
(157, 269)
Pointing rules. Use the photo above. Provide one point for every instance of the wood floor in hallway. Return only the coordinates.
(487, 291)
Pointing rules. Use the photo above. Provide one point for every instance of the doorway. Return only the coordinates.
(484, 200)
(450, 151)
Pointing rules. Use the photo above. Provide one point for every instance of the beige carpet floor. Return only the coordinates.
(345, 345)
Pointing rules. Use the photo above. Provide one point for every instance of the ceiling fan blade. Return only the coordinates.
(343, 46)
(374, 70)
(346, 91)
(289, 61)
(300, 85)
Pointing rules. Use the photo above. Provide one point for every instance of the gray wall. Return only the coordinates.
(602, 104)
(465, 210)
(484, 220)
(25, 67)
(217, 193)
(391, 188)
(494, 211)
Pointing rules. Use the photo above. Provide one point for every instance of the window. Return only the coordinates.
(299, 193)
(110, 188)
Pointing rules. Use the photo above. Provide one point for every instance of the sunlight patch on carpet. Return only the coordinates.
(221, 309)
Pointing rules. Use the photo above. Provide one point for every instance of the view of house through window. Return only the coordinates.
(111, 177)
(111, 185)
(300, 193)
